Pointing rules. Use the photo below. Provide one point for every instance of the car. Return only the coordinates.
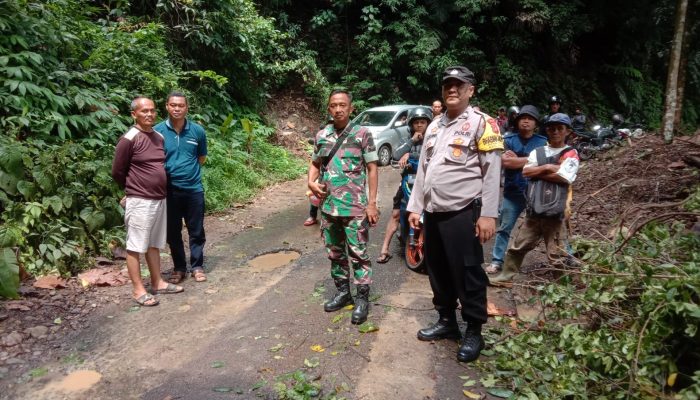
(389, 128)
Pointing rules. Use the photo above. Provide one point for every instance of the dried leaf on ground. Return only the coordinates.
(104, 277)
(318, 348)
(493, 310)
(472, 395)
(50, 282)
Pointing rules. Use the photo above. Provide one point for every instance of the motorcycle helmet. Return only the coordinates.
(617, 119)
(416, 114)
(554, 100)
(513, 111)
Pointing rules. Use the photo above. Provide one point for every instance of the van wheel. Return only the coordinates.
(384, 154)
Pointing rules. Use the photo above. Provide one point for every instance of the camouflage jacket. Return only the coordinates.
(346, 174)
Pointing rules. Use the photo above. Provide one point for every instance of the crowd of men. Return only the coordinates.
(461, 155)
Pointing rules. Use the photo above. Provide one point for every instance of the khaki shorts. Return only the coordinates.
(145, 221)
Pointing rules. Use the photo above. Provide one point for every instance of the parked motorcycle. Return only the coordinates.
(411, 239)
(603, 138)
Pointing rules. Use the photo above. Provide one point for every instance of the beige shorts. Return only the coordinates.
(145, 221)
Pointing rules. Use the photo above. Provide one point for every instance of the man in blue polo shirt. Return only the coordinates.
(518, 146)
(185, 152)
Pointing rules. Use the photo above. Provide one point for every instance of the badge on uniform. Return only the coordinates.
(466, 126)
(456, 150)
(435, 128)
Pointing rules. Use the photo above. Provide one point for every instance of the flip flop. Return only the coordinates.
(310, 221)
(176, 277)
(384, 258)
(146, 300)
(170, 289)
(199, 275)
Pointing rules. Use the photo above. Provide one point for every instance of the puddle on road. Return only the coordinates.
(77, 381)
(270, 261)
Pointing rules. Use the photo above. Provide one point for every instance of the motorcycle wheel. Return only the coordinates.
(585, 151)
(414, 256)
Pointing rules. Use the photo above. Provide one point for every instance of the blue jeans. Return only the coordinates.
(511, 208)
(190, 207)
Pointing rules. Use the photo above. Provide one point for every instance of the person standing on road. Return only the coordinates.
(418, 121)
(138, 167)
(457, 189)
(185, 153)
(345, 164)
(518, 147)
(437, 109)
(561, 171)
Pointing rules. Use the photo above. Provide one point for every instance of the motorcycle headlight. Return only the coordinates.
(596, 127)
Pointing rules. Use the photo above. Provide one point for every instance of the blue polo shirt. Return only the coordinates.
(182, 154)
(515, 182)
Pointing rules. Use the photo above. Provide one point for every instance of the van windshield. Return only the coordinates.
(375, 118)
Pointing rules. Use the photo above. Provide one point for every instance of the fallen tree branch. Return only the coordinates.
(598, 191)
(652, 219)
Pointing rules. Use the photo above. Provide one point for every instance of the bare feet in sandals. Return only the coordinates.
(199, 276)
(177, 277)
(492, 268)
(146, 300)
(384, 258)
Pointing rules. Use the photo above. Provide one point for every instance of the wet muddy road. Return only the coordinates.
(254, 327)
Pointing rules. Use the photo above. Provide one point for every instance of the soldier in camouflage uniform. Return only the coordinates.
(346, 211)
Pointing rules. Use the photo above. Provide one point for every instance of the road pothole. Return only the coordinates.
(270, 261)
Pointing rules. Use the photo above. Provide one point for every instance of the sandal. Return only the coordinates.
(170, 289)
(384, 258)
(493, 269)
(199, 275)
(177, 277)
(310, 221)
(147, 300)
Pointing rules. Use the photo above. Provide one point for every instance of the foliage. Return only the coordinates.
(605, 57)
(67, 73)
(297, 385)
(625, 326)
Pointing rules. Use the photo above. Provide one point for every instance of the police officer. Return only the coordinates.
(457, 187)
(346, 211)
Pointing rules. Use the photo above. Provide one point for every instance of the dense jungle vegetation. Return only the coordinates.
(69, 68)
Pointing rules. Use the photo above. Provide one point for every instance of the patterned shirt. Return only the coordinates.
(345, 176)
(459, 162)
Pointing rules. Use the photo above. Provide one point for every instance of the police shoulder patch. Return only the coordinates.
(491, 138)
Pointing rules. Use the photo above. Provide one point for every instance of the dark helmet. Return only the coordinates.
(419, 113)
(554, 99)
(618, 119)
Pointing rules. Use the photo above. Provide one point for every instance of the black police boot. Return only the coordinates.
(341, 299)
(472, 343)
(359, 314)
(445, 328)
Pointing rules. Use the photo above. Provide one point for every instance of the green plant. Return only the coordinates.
(624, 326)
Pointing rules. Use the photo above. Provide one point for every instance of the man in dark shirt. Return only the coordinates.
(138, 167)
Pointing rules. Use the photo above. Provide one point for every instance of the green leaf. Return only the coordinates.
(8, 183)
(223, 389)
(217, 364)
(499, 392)
(367, 327)
(54, 202)
(9, 274)
(489, 381)
(27, 189)
(312, 363)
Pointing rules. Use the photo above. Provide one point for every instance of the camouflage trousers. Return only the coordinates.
(346, 243)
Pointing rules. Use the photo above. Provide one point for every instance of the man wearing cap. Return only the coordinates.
(459, 170)
(518, 146)
(534, 228)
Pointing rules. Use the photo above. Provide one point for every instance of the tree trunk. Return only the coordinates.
(673, 67)
(682, 68)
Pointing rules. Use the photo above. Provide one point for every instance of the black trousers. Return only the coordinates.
(453, 258)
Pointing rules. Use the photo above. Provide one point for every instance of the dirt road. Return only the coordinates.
(238, 334)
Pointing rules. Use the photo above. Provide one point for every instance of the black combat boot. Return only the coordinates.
(341, 299)
(359, 314)
(445, 328)
(472, 343)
